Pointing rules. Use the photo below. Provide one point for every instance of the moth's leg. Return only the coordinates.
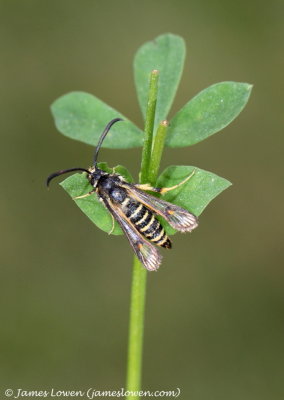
(147, 186)
(165, 190)
(112, 228)
(84, 195)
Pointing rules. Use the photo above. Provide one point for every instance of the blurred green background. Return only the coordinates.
(215, 321)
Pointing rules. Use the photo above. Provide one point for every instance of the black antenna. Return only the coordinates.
(103, 135)
(101, 139)
(64, 171)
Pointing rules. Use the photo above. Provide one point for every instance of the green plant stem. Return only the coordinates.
(158, 147)
(136, 327)
(151, 157)
(149, 126)
(139, 277)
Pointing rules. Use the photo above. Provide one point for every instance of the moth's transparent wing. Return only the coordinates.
(144, 250)
(179, 218)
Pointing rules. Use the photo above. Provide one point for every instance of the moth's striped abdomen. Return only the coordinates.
(146, 222)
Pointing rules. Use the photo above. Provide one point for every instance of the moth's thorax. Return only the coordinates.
(110, 185)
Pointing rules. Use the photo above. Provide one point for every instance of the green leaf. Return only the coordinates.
(196, 193)
(119, 169)
(83, 117)
(78, 185)
(104, 166)
(166, 53)
(207, 113)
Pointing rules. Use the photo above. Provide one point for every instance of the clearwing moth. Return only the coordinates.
(135, 210)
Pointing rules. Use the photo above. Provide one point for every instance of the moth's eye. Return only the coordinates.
(93, 180)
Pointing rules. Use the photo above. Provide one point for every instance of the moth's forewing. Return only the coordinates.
(179, 218)
(144, 250)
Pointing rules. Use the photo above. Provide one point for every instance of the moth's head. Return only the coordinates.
(95, 175)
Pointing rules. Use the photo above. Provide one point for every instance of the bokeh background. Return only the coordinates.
(214, 321)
